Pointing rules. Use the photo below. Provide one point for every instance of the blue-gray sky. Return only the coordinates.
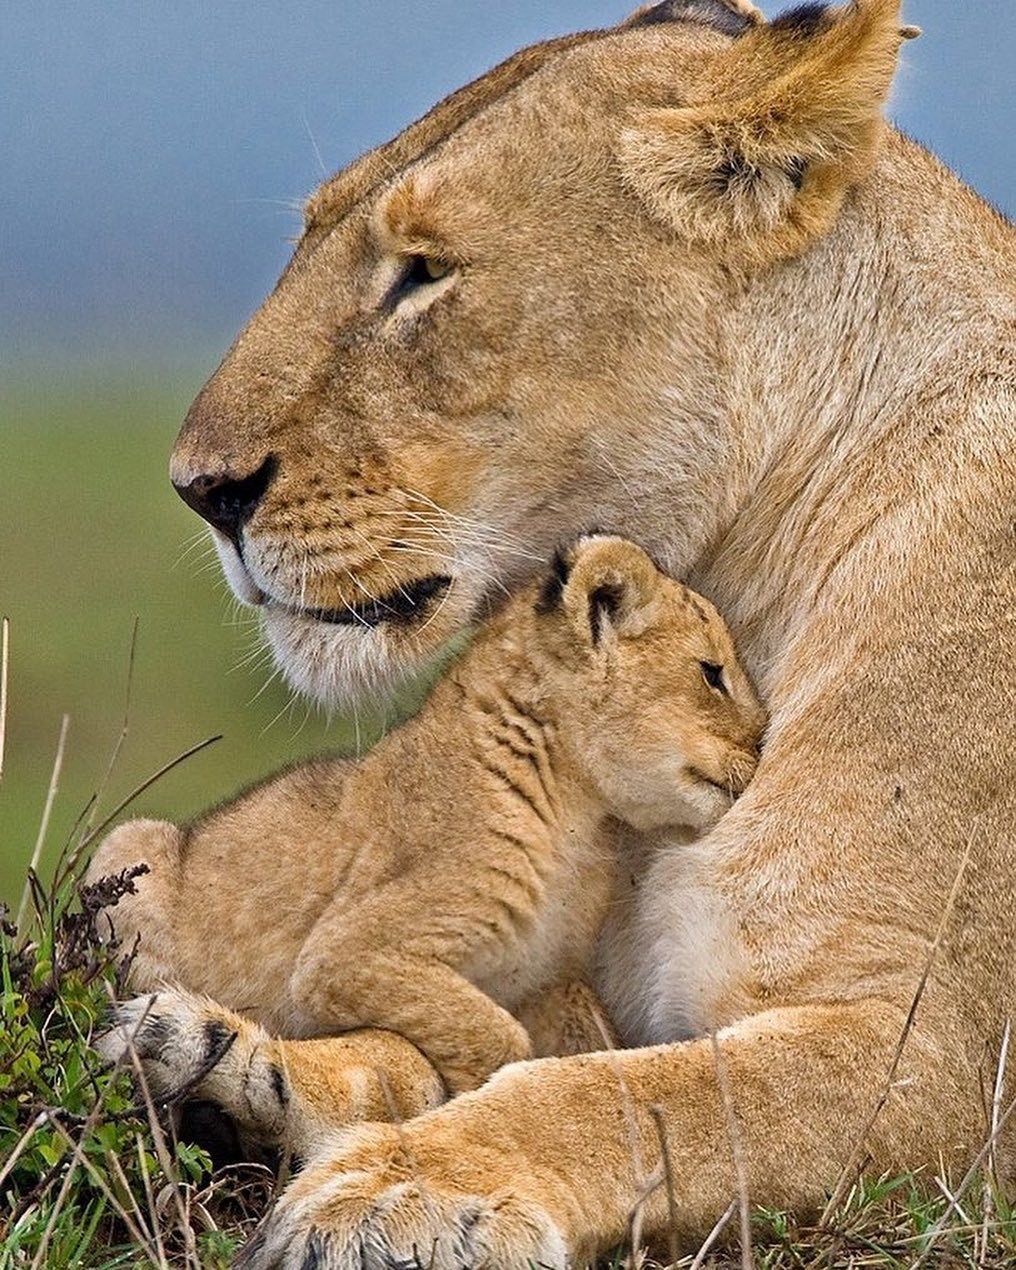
(150, 149)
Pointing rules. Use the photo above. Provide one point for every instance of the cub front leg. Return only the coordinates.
(467, 1036)
(279, 1095)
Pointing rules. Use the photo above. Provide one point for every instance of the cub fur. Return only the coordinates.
(453, 881)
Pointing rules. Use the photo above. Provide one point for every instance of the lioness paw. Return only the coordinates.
(375, 1206)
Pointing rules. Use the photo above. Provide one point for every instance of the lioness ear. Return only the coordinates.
(732, 17)
(790, 121)
(610, 586)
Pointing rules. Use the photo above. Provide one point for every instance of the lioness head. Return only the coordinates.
(652, 699)
(517, 320)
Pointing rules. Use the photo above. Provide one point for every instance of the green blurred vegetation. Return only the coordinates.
(92, 536)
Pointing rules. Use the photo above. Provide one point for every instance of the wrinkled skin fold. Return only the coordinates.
(680, 281)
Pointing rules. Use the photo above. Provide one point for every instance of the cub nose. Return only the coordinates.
(227, 501)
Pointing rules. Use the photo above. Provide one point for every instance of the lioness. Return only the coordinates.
(459, 871)
(679, 278)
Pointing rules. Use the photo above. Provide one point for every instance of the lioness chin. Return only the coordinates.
(678, 277)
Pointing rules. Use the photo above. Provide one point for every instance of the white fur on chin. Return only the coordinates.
(336, 666)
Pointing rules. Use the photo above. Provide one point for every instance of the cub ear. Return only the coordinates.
(609, 586)
(790, 120)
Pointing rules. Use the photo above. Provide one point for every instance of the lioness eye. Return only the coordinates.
(419, 271)
(424, 269)
(713, 675)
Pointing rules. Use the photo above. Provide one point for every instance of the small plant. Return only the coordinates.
(90, 1172)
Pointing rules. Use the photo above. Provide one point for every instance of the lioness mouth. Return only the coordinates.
(401, 606)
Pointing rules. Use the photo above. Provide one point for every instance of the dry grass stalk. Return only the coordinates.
(136, 1229)
(985, 1153)
(23, 1143)
(93, 834)
(714, 1234)
(990, 1173)
(5, 629)
(113, 1162)
(165, 1163)
(47, 811)
(850, 1170)
(668, 1180)
(737, 1150)
(943, 1186)
(646, 1184)
(124, 725)
(153, 1211)
(38, 1260)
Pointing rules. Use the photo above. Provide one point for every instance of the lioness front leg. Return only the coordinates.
(546, 1164)
(279, 1095)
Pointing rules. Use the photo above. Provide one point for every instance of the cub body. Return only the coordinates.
(451, 884)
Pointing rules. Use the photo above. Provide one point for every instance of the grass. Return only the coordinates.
(90, 1172)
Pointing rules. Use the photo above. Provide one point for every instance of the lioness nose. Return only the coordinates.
(225, 500)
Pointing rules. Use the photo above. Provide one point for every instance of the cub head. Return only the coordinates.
(651, 697)
(517, 320)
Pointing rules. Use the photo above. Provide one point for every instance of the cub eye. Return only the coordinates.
(713, 675)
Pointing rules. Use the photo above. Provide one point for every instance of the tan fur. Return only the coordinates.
(458, 875)
(804, 397)
(282, 1096)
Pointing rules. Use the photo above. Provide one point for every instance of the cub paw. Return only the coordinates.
(177, 1037)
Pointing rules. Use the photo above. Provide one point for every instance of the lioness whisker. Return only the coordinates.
(379, 556)
(489, 574)
(292, 699)
(199, 545)
(471, 521)
(255, 659)
(275, 674)
(473, 525)
(440, 605)
(424, 525)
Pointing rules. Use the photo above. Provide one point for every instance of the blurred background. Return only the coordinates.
(154, 157)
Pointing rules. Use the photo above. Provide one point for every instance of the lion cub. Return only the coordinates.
(457, 876)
